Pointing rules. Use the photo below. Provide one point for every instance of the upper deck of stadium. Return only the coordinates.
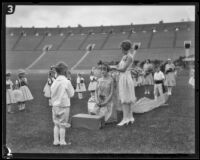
(160, 41)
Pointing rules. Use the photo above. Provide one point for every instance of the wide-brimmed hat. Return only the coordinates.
(8, 73)
(21, 71)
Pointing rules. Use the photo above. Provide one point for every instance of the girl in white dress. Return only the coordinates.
(148, 77)
(80, 87)
(47, 87)
(10, 100)
(22, 84)
(126, 84)
(170, 75)
(192, 78)
(92, 84)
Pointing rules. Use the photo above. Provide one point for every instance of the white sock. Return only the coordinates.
(20, 106)
(62, 136)
(23, 106)
(56, 135)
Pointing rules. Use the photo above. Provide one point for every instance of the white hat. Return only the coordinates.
(21, 71)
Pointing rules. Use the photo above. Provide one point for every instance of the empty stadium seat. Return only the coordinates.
(142, 37)
(52, 57)
(53, 40)
(20, 59)
(10, 41)
(184, 35)
(114, 40)
(162, 39)
(96, 39)
(28, 43)
(73, 42)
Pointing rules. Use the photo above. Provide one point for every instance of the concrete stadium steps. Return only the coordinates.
(73, 42)
(183, 35)
(28, 43)
(52, 57)
(162, 39)
(96, 39)
(20, 59)
(11, 41)
(114, 40)
(96, 55)
(142, 37)
(53, 40)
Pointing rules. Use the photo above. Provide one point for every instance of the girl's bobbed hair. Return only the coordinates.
(126, 45)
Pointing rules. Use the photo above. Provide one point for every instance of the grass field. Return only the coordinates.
(169, 129)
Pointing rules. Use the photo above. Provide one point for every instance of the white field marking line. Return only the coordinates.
(31, 65)
(81, 59)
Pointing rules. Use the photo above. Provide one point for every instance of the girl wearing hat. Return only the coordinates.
(126, 84)
(9, 93)
(80, 87)
(170, 76)
(22, 84)
(148, 77)
(47, 87)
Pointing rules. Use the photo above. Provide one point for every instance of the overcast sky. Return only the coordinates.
(51, 16)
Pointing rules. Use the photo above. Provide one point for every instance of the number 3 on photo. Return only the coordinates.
(10, 9)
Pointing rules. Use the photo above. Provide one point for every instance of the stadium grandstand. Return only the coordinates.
(39, 48)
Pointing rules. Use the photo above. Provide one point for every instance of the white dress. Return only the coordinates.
(10, 99)
(93, 83)
(192, 80)
(126, 83)
(22, 85)
(145, 104)
(170, 76)
(148, 78)
(80, 87)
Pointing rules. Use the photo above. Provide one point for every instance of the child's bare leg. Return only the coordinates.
(56, 135)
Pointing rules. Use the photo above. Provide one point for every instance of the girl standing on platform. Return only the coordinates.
(47, 87)
(80, 87)
(126, 84)
(148, 77)
(22, 84)
(10, 100)
(170, 81)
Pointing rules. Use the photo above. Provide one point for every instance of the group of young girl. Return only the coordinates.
(17, 93)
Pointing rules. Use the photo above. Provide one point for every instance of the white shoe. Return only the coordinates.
(56, 143)
(123, 122)
(132, 120)
(63, 143)
(145, 92)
